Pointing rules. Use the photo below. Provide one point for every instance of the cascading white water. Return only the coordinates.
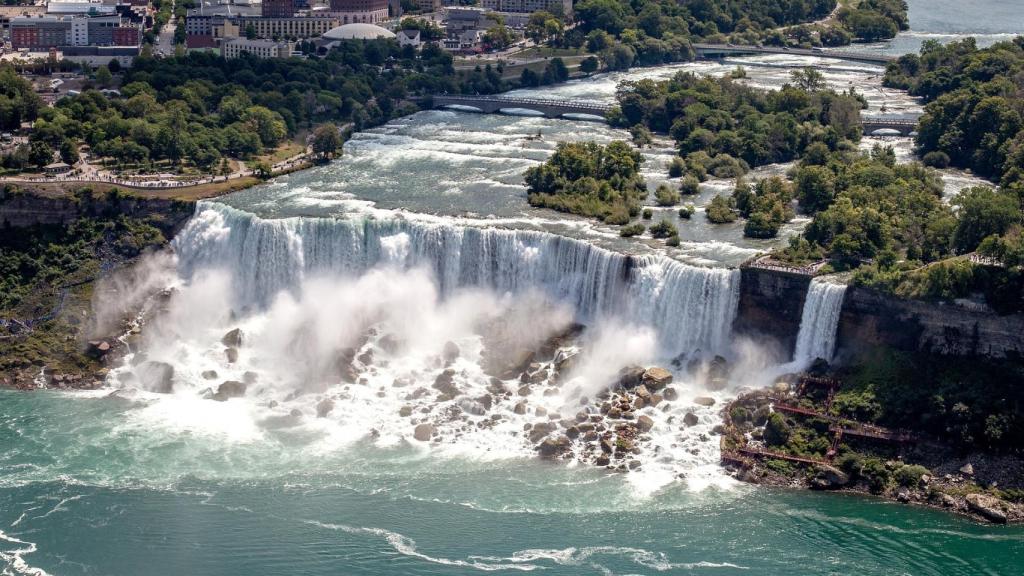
(818, 323)
(690, 308)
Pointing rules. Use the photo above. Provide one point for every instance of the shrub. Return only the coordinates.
(664, 229)
(910, 475)
(936, 159)
(673, 241)
(666, 196)
(776, 431)
(676, 167)
(719, 211)
(631, 230)
(686, 211)
(689, 185)
(648, 214)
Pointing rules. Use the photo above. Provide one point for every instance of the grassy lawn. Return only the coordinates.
(284, 151)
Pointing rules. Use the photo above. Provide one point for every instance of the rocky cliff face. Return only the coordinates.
(871, 318)
(771, 304)
(18, 210)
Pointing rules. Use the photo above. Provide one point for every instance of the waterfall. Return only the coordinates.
(818, 323)
(690, 308)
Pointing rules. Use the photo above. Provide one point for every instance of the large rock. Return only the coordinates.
(451, 352)
(644, 423)
(232, 339)
(232, 355)
(989, 507)
(229, 389)
(423, 432)
(554, 447)
(156, 376)
(656, 378)
(670, 394)
(704, 401)
(690, 419)
(209, 374)
(324, 407)
(631, 376)
(831, 477)
(445, 383)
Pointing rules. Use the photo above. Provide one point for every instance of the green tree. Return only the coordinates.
(326, 141)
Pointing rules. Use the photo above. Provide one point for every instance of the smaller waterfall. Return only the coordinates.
(817, 336)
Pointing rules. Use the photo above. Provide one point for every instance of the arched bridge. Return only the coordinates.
(902, 124)
(550, 108)
(713, 51)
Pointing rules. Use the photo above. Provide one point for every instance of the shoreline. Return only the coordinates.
(949, 487)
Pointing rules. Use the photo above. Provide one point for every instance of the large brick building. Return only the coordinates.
(350, 11)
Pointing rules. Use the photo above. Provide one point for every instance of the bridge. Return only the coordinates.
(716, 51)
(550, 108)
(905, 125)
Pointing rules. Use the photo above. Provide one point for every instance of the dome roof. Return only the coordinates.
(358, 31)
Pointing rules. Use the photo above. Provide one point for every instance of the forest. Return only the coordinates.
(199, 109)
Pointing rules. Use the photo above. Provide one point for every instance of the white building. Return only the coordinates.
(258, 48)
(409, 38)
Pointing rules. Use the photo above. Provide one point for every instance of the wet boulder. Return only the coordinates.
(644, 423)
(656, 378)
(670, 394)
(423, 432)
(690, 419)
(631, 376)
(343, 366)
(229, 389)
(445, 383)
(450, 353)
(156, 376)
(704, 401)
(405, 411)
(232, 355)
(554, 447)
(324, 407)
(232, 339)
(209, 374)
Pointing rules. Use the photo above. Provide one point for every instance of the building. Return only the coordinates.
(9, 12)
(277, 9)
(40, 33)
(101, 55)
(91, 7)
(430, 5)
(46, 32)
(362, 11)
(258, 48)
(464, 18)
(409, 38)
(562, 7)
(286, 27)
(357, 32)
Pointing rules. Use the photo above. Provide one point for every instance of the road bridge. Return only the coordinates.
(550, 108)
(716, 51)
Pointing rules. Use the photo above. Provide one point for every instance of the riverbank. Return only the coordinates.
(790, 436)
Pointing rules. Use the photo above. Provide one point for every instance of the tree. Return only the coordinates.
(719, 211)
(499, 36)
(250, 32)
(103, 76)
(326, 141)
(983, 212)
(808, 79)
(262, 170)
(40, 153)
(589, 65)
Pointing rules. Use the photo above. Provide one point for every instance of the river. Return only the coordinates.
(418, 237)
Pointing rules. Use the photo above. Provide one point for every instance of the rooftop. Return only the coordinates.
(358, 31)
